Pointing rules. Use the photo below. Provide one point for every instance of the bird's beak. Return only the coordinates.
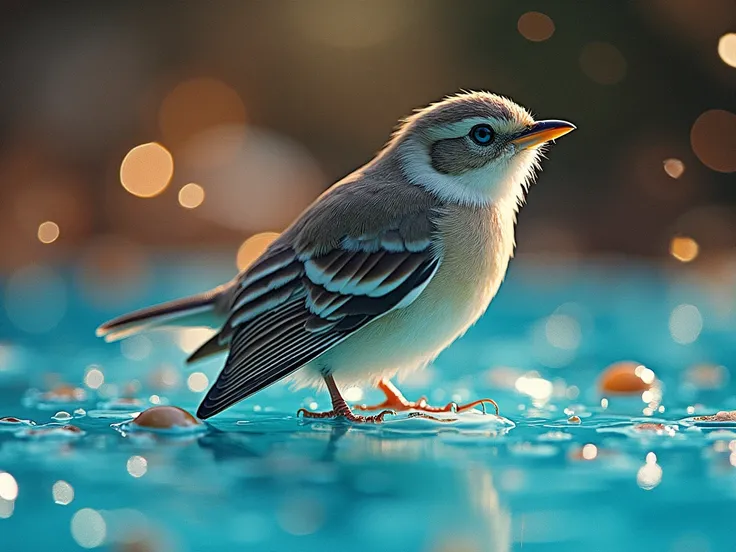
(542, 132)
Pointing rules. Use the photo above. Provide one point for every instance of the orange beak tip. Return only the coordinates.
(542, 132)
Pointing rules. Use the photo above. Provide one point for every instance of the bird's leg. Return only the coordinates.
(340, 408)
(396, 401)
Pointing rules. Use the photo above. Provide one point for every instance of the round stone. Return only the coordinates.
(165, 417)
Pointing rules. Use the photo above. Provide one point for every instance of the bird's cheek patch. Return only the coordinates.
(456, 156)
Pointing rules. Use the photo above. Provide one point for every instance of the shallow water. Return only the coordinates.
(261, 478)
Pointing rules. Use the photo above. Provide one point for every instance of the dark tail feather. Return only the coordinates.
(210, 348)
(197, 310)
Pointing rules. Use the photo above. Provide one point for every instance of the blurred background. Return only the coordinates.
(150, 149)
(189, 125)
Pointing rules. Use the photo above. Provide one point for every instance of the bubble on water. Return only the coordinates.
(61, 416)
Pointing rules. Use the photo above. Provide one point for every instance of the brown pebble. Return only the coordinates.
(624, 378)
(649, 427)
(165, 417)
(574, 420)
(65, 392)
(722, 416)
(10, 420)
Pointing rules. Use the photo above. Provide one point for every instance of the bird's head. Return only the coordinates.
(475, 148)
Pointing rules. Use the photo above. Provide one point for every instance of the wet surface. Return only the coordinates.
(569, 465)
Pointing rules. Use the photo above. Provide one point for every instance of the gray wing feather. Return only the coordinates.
(302, 298)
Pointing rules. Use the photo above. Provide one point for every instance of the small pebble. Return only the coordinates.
(626, 378)
(722, 416)
(165, 417)
(62, 416)
(64, 393)
(55, 431)
(574, 420)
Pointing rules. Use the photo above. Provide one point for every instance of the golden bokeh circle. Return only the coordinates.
(713, 139)
(196, 105)
(147, 170)
(191, 196)
(536, 26)
(253, 247)
(684, 248)
(48, 232)
(727, 49)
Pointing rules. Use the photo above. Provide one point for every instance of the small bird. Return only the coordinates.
(383, 271)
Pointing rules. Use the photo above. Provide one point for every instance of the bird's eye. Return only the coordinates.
(481, 134)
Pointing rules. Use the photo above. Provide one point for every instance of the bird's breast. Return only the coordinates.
(477, 243)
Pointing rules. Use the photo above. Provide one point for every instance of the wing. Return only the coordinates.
(296, 302)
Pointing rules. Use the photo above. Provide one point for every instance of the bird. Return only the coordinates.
(382, 272)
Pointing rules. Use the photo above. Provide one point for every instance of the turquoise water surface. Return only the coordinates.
(259, 478)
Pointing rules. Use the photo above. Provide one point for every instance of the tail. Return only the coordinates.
(204, 309)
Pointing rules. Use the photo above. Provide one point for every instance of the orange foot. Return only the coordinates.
(396, 401)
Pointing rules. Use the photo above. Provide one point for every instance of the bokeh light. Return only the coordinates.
(650, 474)
(713, 139)
(147, 170)
(62, 492)
(197, 382)
(684, 248)
(48, 232)
(94, 377)
(727, 49)
(253, 247)
(88, 528)
(191, 195)
(256, 179)
(590, 452)
(190, 339)
(8, 486)
(137, 466)
(563, 331)
(196, 105)
(7, 507)
(686, 323)
(674, 167)
(535, 26)
(603, 63)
